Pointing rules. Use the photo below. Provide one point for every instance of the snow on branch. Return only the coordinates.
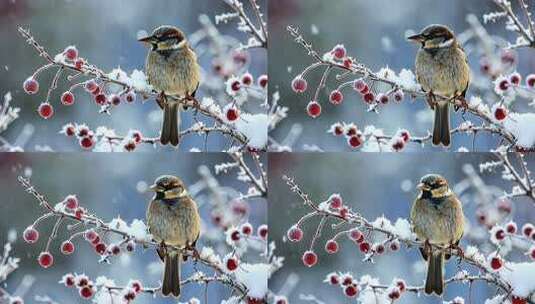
(258, 33)
(381, 236)
(232, 87)
(513, 21)
(244, 274)
(386, 87)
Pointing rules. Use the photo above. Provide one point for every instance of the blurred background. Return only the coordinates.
(375, 185)
(111, 185)
(105, 33)
(374, 33)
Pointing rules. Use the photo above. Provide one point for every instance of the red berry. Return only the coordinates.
(518, 300)
(508, 56)
(31, 86)
(398, 95)
(313, 109)
(115, 99)
(356, 235)
(87, 142)
(530, 81)
(45, 110)
(67, 98)
(262, 231)
(91, 86)
(96, 241)
(130, 246)
(130, 145)
(394, 293)
(351, 130)
(499, 234)
(344, 212)
(401, 285)
(365, 90)
(81, 280)
(69, 129)
(137, 136)
(505, 206)
(369, 97)
(339, 51)
(351, 291)
(511, 228)
(484, 65)
(503, 85)
(379, 249)
(496, 263)
(87, 292)
(515, 79)
(354, 141)
(338, 129)
(331, 246)
(359, 85)
(232, 264)
(101, 99)
(299, 84)
(398, 144)
(30, 235)
(336, 201)
(78, 213)
(71, 202)
(364, 247)
(405, 135)
(382, 98)
(235, 85)
(45, 259)
(79, 63)
(232, 113)
(114, 249)
(527, 229)
(263, 81)
(348, 63)
(281, 300)
(334, 279)
(129, 295)
(247, 229)
(295, 234)
(247, 79)
(68, 280)
(100, 248)
(532, 253)
(235, 235)
(394, 245)
(71, 53)
(90, 235)
(67, 247)
(309, 258)
(500, 113)
(336, 97)
(136, 285)
(130, 97)
(347, 280)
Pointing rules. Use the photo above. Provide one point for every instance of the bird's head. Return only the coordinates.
(434, 36)
(165, 37)
(434, 186)
(169, 187)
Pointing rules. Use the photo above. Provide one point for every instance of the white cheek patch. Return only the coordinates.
(446, 43)
(181, 44)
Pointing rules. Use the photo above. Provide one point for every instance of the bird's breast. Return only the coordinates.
(175, 224)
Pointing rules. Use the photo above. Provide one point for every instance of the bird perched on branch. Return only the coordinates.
(173, 220)
(172, 69)
(443, 72)
(437, 219)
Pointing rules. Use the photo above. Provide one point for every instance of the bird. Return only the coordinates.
(441, 69)
(172, 69)
(173, 220)
(437, 219)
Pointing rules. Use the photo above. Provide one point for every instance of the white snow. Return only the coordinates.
(522, 126)
(255, 278)
(520, 276)
(136, 80)
(137, 229)
(254, 127)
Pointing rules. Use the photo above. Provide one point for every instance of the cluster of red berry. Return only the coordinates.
(87, 289)
(352, 286)
(87, 138)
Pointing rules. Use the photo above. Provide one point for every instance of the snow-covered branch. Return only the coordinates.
(513, 21)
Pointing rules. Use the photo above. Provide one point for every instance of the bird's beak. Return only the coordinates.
(153, 188)
(420, 186)
(416, 38)
(147, 39)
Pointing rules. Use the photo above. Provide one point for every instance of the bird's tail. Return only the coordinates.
(441, 129)
(170, 124)
(171, 275)
(435, 281)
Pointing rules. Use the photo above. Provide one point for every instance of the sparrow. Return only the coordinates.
(441, 69)
(173, 220)
(437, 219)
(172, 69)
